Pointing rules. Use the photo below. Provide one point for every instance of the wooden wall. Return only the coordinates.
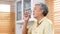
(54, 14)
(57, 16)
(7, 19)
(6, 23)
(50, 5)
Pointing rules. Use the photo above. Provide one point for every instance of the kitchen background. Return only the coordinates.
(11, 14)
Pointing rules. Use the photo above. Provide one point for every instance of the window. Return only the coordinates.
(22, 5)
(4, 8)
(19, 10)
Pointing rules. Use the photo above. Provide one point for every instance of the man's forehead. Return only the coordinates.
(37, 4)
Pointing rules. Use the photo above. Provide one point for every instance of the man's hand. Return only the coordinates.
(26, 19)
(26, 16)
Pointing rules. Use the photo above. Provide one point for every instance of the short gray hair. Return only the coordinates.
(44, 8)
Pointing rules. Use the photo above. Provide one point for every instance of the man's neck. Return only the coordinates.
(39, 18)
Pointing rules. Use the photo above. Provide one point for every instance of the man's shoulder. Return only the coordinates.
(47, 21)
(31, 25)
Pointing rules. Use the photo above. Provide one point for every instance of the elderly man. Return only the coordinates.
(43, 24)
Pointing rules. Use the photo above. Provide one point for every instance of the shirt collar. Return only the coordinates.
(42, 20)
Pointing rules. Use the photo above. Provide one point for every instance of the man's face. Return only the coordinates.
(37, 11)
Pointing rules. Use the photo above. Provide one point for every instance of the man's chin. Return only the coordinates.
(34, 16)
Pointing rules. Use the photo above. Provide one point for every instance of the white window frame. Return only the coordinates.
(21, 21)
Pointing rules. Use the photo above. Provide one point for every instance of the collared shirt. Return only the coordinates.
(45, 27)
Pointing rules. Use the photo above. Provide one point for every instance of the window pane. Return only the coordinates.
(27, 5)
(4, 8)
(19, 11)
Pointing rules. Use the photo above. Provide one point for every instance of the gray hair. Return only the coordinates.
(44, 8)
